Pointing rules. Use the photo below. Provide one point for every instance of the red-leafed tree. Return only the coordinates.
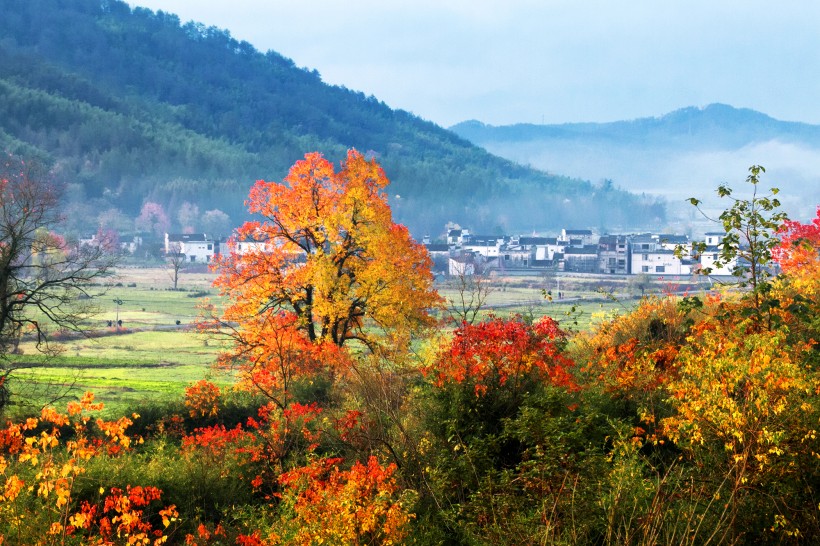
(800, 244)
(504, 352)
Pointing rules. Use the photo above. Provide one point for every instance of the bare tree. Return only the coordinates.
(175, 261)
(44, 283)
(471, 293)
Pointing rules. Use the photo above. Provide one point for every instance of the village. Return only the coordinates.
(573, 250)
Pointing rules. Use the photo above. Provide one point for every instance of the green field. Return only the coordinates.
(152, 358)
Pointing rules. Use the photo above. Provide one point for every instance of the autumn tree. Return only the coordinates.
(332, 257)
(43, 282)
(152, 219)
(216, 223)
(188, 217)
(799, 244)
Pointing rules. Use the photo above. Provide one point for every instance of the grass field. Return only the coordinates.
(157, 352)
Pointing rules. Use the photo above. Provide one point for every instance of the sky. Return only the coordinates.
(541, 61)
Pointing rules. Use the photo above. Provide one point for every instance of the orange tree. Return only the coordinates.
(329, 253)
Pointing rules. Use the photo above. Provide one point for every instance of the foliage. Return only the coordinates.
(751, 227)
(498, 351)
(332, 266)
(153, 219)
(356, 506)
(682, 421)
(41, 476)
(799, 244)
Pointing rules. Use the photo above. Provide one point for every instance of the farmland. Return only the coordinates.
(157, 350)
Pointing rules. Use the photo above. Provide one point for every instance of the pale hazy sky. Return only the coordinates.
(530, 61)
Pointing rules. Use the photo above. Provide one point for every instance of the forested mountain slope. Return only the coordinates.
(131, 105)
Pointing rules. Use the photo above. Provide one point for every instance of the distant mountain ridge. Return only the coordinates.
(713, 125)
(685, 153)
(131, 105)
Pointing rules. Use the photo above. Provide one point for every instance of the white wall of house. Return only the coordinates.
(548, 251)
(658, 262)
(708, 259)
(461, 267)
(516, 257)
(585, 236)
(714, 238)
(248, 247)
(197, 248)
(198, 252)
(486, 250)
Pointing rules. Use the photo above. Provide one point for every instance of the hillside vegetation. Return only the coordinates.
(133, 106)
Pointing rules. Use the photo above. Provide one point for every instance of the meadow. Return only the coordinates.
(157, 351)
(151, 356)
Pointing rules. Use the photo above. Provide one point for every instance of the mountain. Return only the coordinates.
(129, 106)
(685, 153)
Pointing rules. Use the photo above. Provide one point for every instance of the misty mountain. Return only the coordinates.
(129, 105)
(686, 153)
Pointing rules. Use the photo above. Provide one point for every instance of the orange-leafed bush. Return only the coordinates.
(635, 353)
(202, 399)
(39, 473)
(329, 505)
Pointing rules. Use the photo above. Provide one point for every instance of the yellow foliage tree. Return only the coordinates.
(328, 252)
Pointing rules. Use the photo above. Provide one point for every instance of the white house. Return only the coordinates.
(516, 256)
(577, 237)
(197, 247)
(488, 246)
(249, 246)
(582, 259)
(711, 254)
(613, 254)
(659, 262)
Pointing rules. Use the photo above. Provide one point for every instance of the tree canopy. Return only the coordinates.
(328, 252)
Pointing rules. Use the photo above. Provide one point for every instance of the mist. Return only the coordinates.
(676, 175)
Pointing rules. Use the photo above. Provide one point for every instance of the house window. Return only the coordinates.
(645, 269)
(507, 257)
(210, 247)
(621, 262)
(645, 256)
(660, 269)
(193, 258)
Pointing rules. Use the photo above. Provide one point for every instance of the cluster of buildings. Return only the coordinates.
(574, 250)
